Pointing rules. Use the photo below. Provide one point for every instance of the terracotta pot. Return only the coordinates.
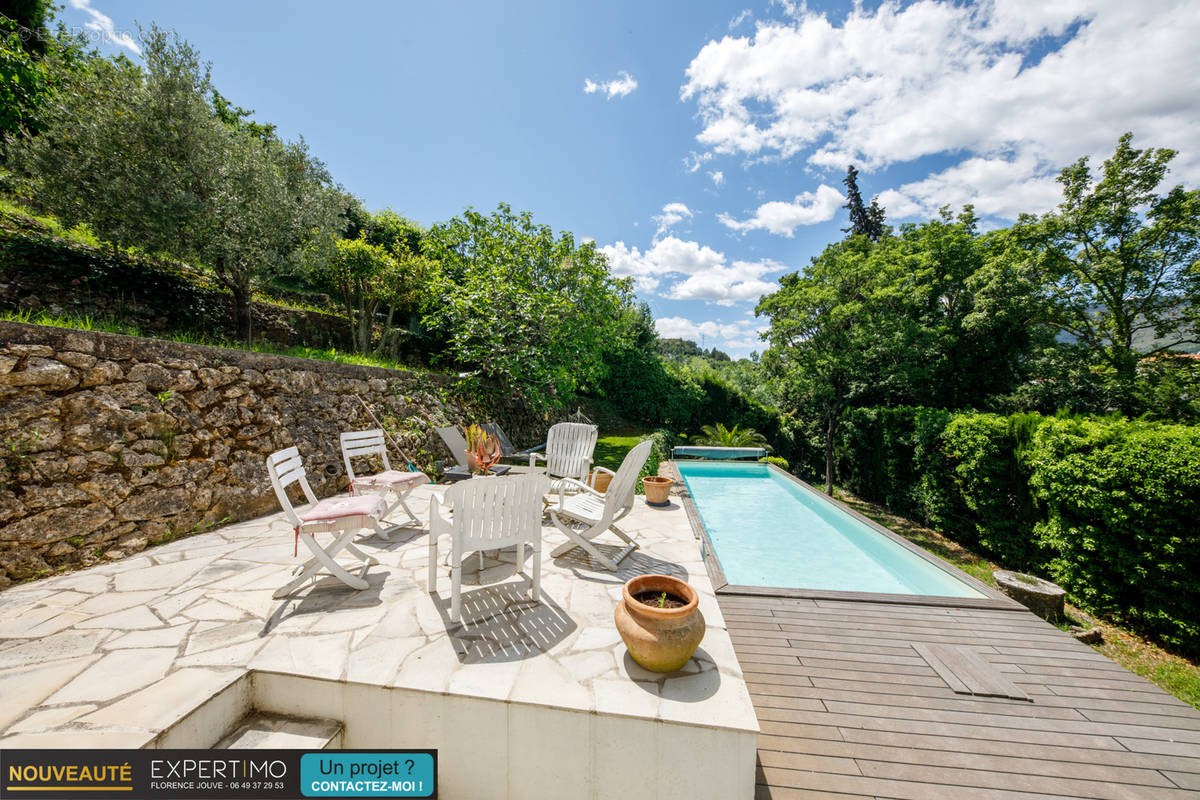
(602, 479)
(659, 639)
(658, 490)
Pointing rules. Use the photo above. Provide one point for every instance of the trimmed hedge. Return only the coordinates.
(1108, 508)
(1122, 521)
(882, 453)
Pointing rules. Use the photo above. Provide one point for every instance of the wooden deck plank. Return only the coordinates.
(848, 708)
(1016, 781)
(775, 749)
(1018, 749)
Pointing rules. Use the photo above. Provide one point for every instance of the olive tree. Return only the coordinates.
(141, 156)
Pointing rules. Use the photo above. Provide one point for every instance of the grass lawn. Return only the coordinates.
(1174, 674)
(611, 449)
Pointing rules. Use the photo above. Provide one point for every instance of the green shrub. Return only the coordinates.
(782, 463)
(883, 453)
(1122, 503)
(660, 451)
(980, 494)
(1108, 508)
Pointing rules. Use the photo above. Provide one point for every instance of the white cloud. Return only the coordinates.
(1011, 90)
(739, 337)
(696, 271)
(718, 177)
(727, 285)
(672, 214)
(103, 25)
(619, 86)
(693, 160)
(737, 21)
(778, 217)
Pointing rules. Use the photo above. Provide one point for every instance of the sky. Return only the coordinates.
(701, 144)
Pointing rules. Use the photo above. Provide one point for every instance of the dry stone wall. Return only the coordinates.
(114, 443)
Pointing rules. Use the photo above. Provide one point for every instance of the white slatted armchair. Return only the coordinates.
(364, 444)
(569, 450)
(487, 514)
(341, 516)
(589, 513)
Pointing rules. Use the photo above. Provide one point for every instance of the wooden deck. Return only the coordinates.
(849, 709)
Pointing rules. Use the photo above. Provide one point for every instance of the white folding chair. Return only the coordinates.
(363, 444)
(487, 515)
(589, 513)
(341, 516)
(569, 450)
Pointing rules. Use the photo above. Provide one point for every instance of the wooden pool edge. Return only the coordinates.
(992, 598)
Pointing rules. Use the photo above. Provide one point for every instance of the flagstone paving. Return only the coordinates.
(83, 655)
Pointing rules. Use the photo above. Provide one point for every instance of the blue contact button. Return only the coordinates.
(388, 774)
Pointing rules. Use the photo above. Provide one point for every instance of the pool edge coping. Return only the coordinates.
(992, 599)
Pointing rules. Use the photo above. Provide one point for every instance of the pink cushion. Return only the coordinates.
(365, 505)
(393, 477)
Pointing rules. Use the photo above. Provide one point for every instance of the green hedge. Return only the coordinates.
(1108, 508)
(1122, 521)
(882, 453)
(979, 489)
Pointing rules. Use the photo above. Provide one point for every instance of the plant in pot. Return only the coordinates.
(483, 450)
(658, 490)
(660, 622)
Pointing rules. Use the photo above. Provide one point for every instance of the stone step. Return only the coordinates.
(260, 731)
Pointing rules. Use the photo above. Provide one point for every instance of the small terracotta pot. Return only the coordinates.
(601, 481)
(658, 490)
(659, 639)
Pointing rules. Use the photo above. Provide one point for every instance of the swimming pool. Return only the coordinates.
(766, 529)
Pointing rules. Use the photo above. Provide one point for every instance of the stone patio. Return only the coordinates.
(173, 647)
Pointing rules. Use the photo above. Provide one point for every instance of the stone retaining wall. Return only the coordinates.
(112, 443)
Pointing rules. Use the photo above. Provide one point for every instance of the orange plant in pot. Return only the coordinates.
(483, 449)
(660, 622)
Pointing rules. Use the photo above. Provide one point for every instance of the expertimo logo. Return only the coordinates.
(209, 768)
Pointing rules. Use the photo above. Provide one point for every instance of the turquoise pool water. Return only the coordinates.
(767, 530)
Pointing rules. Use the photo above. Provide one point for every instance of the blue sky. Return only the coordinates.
(701, 144)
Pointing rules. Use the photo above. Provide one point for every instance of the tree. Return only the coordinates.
(33, 64)
(520, 304)
(367, 277)
(864, 220)
(358, 272)
(239, 118)
(875, 228)
(264, 199)
(921, 318)
(817, 341)
(127, 151)
(859, 223)
(146, 161)
(1121, 260)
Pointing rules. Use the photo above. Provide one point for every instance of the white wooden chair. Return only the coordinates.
(363, 444)
(589, 513)
(487, 514)
(455, 442)
(341, 516)
(568, 456)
